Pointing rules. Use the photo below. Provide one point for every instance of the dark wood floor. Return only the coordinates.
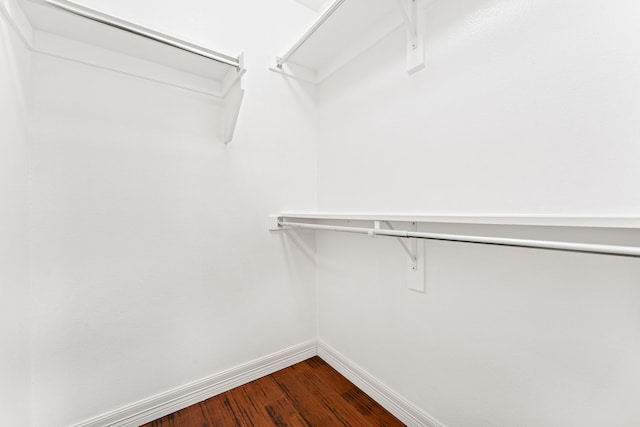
(310, 393)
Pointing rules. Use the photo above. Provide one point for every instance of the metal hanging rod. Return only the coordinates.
(499, 241)
(316, 25)
(120, 24)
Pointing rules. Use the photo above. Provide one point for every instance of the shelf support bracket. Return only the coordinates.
(411, 251)
(233, 93)
(414, 24)
(415, 250)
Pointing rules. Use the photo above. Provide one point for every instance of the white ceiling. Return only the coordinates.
(316, 5)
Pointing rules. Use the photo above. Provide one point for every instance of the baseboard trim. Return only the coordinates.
(168, 402)
(158, 406)
(404, 410)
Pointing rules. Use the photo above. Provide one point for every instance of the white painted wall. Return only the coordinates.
(14, 249)
(152, 263)
(521, 108)
(524, 108)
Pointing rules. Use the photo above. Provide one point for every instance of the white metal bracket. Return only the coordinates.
(414, 22)
(233, 93)
(415, 250)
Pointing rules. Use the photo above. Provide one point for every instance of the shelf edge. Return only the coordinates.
(517, 220)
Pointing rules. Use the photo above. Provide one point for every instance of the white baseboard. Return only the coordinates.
(168, 402)
(158, 406)
(404, 410)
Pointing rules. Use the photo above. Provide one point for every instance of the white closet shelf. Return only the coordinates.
(564, 237)
(345, 30)
(544, 221)
(64, 29)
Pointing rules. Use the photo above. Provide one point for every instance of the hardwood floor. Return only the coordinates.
(309, 394)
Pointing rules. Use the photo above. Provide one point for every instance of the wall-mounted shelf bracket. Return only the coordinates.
(233, 93)
(415, 251)
(413, 16)
(411, 248)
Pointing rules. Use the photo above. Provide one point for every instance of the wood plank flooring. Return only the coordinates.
(308, 394)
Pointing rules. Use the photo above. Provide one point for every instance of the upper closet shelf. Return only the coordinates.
(345, 30)
(70, 31)
(521, 220)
